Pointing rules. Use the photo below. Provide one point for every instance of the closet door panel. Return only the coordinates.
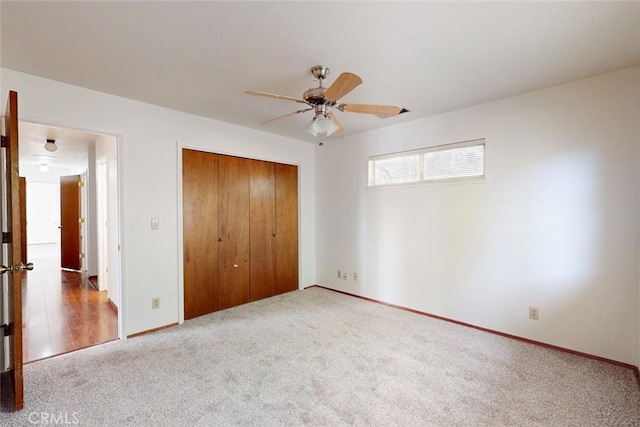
(234, 231)
(286, 228)
(200, 232)
(263, 229)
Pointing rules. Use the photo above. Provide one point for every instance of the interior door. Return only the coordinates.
(234, 272)
(286, 228)
(263, 229)
(11, 389)
(70, 242)
(200, 232)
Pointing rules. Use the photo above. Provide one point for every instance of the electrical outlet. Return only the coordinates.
(534, 313)
(355, 277)
(344, 275)
(339, 274)
(155, 303)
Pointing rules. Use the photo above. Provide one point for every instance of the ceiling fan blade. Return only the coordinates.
(273, 95)
(286, 115)
(344, 84)
(380, 110)
(335, 120)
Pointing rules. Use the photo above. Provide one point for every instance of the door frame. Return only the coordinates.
(179, 147)
(101, 218)
(119, 137)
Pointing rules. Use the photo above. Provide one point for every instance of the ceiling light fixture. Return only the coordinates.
(322, 124)
(44, 167)
(51, 145)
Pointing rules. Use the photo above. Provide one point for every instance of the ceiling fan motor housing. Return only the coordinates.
(315, 96)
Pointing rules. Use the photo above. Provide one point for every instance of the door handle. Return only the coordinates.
(16, 268)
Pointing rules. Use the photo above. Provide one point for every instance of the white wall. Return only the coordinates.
(43, 213)
(554, 226)
(149, 182)
(33, 174)
(38, 216)
(43, 202)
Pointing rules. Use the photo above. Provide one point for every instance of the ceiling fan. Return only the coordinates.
(321, 100)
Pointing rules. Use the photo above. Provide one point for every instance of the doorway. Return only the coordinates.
(69, 305)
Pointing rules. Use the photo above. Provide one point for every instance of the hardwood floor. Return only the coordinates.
(62, 312)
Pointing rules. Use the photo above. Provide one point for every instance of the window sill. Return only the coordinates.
(435, 182)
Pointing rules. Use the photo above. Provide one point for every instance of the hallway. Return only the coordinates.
(62, 312)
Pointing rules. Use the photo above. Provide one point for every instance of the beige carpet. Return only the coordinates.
(317, 357)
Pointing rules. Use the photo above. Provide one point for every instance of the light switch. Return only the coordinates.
(155, 223)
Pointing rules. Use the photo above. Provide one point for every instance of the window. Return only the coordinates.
(397, 170)
(462, 160)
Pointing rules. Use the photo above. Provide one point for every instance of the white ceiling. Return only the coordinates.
(73, 146)
(429, 57)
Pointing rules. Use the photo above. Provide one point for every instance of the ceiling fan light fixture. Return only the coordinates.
(44, 167)
(50, 145)
(322, 125)
(322, 99)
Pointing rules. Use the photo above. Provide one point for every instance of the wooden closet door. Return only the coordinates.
(200, 232)
(286, 228)
(234, 231)
(263, 229)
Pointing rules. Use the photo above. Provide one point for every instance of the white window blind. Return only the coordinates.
(454, 163)
(397, 170)
(462, 160)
